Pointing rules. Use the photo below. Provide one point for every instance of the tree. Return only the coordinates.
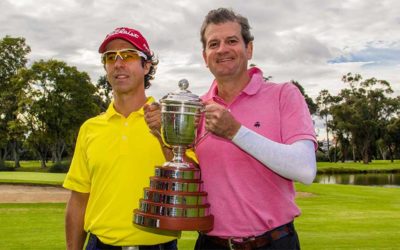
(324, 101)
(360, 111)
(390, 133)
(13, 52)
(62, 99)
(104, 93)
(37, 137)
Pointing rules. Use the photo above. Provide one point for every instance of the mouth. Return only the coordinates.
(222, 60)
(121, 76)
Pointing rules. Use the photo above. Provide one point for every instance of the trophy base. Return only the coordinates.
(168, 171)
(202, 224)
(175, 198)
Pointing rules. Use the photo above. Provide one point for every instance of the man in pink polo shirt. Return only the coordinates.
(259, 138)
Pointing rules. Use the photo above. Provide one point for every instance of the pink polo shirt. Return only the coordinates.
(246, 197)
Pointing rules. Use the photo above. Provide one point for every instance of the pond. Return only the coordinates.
(368, 179)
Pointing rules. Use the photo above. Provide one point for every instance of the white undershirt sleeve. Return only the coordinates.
(295, 161)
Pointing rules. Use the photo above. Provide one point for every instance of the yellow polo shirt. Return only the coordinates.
(113, 160)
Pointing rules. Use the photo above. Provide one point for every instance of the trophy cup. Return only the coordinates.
(175, 200)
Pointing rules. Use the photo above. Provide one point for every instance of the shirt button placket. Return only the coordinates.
(124, 137)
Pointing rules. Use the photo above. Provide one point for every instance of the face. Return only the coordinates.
(125, 76)
(226, 54)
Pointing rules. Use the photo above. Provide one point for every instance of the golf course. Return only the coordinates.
(333, 216)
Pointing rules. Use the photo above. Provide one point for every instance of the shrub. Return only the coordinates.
(59, 167)
(5, 166)
(321, 157)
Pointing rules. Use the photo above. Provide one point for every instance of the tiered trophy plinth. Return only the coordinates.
(174, 201)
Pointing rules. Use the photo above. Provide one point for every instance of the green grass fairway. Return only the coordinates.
(344, 167)
(32, 178)
(349, 217)
(34, 166)
(343, 217)
(334, 217)
(37, 176)
(32, 226)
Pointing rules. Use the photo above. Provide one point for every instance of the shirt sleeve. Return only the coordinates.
(296, 122)
(78, 176)
(295, 162)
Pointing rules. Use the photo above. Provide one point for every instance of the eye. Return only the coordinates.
(109, 57)
(212, 45)
(232, 41)
(129, 55)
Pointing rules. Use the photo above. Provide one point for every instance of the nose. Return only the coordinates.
(118, 61)
(221, 48)
(118, 55)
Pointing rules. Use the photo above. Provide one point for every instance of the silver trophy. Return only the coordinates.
(175, 200)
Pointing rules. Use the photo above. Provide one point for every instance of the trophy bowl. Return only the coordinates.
(175, 200)
(178, 123)
(179, 111)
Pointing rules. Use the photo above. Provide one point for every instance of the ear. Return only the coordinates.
(249, 50)
(205, 58)
(146, 67)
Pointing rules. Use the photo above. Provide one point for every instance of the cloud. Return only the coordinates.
(313, 42)
(372, 57)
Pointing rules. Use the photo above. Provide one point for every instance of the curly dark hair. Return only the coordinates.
(153, 67)
(223, 15)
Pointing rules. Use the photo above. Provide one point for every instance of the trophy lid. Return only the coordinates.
(182, 95)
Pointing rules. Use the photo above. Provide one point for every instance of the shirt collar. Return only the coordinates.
(256, 79)
(110, 112)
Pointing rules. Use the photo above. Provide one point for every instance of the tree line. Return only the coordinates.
(42, 107)
(362, 121)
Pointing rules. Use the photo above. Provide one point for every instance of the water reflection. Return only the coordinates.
(378, 179)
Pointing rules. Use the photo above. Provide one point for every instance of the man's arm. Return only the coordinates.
(295, 162)
(74, 220)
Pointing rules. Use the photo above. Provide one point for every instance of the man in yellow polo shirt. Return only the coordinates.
(115, 155)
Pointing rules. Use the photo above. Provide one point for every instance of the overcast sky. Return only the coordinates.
(313, 42)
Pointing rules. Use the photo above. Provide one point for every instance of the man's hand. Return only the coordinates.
(220, 121)
(152, 116)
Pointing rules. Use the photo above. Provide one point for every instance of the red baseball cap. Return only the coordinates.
(129, 35)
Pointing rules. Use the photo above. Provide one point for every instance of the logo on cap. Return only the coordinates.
(130, 35)
(123, 31)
